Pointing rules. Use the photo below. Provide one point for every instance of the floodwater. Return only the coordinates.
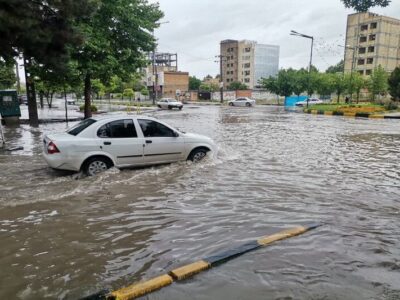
(64, 238)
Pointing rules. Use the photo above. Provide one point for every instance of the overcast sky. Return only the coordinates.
(196, 27)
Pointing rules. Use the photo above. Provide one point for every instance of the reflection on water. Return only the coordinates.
(65, 238)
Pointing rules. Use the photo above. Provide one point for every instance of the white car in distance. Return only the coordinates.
(169, 103)
(96, 144)
(311, 101)
(242, 101)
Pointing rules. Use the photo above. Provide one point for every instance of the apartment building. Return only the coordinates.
(247, 61)
(371, 40)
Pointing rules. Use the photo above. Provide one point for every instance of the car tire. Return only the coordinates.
(180, 108)
(96, 165)
(169, 107)
(230, 104)
(159, 106)
(248, 104)
(197, 154)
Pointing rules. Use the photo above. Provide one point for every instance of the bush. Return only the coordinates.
(390, 105)
(93, 107)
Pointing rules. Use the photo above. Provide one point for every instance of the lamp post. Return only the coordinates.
(295, 33)
(155, 76)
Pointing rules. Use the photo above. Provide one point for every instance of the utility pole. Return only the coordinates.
(221, 78)
(295, 33)
(18, 79)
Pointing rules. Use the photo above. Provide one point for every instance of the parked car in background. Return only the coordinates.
(96, 144)
(311, 101)
(23, 99)
(169, 103)
(242, 101)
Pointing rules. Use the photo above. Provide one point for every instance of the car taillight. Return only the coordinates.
(52, 148)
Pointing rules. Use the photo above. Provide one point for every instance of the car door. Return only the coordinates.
(241, 102)
(162, 144)
(120, 140)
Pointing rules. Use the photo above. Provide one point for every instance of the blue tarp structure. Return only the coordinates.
(292, 100)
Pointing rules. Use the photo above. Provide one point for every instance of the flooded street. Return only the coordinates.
(64, 238)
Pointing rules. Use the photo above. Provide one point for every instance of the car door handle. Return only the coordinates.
(107, 143)
(149, 141)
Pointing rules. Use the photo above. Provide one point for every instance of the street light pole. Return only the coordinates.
(155, 74)
(352, 66)
(295, 33)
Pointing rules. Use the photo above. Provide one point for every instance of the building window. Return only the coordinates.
(372, 37)
(247, 80)
(363, 39)
(246, 73)
(361, 72)
(361, 62)
(228, 58)
(374, 25)
(370, 60)
(247, 65)
(368, 72)
(364, 27)
(371, 49)
(248, 49)
(361, 50)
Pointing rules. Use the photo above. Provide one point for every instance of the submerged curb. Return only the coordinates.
(354, 115)
(142, 288)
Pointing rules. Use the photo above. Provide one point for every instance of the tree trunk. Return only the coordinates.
(87, 92)
(338, 98)
(30, 91)
(51, 99)
(41, 98)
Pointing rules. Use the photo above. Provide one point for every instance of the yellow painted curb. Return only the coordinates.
(140, 289)
(281, 235)
(349, 114)
(189, 270)
(376, 116)
(328, 113)
(314, 112)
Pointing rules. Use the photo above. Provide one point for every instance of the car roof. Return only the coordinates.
(121, 116)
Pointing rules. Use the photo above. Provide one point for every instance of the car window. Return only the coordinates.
(154, 129)
(118, 129)
(78, 128)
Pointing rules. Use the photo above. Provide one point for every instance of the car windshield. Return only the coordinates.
(78, 128)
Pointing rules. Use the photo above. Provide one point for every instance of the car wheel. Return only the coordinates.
(159, 106)
(169, 107)
(248, 104)
(180, 108)
(197, 154)
(230, 104)
(96, 165)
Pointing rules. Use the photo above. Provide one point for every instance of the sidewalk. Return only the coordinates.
(47, 115)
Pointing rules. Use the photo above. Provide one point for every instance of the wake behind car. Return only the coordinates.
(242, 101)
(311, 101)
(96, 144)
(169, 103)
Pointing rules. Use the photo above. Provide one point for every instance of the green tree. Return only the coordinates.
(144, 91)
(338, 68)
(359, 83)
(271, 85)
(7, 75)
(339, 85)
(43, 31)
(208, 87)
(194, 83)
(299, 81)
(129, 93)
(378, 84)
(116, 38)
(364, 5)
(98, 88)
(394, 84)
(236, 85)
(325, 84)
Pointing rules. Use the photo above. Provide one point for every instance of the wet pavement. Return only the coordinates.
(64, 238)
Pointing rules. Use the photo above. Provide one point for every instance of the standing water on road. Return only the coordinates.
(65, 238)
